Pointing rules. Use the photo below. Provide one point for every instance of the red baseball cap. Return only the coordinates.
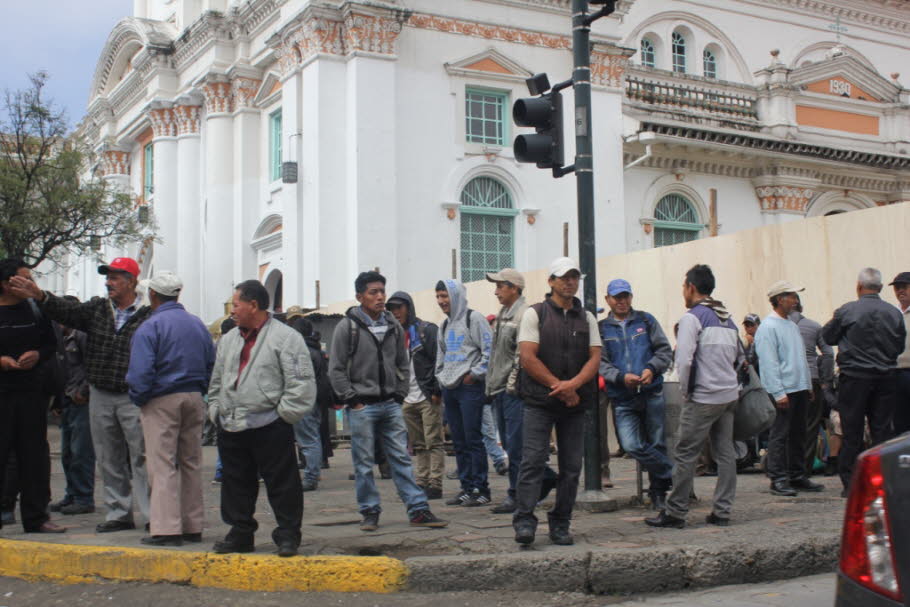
(121, 264)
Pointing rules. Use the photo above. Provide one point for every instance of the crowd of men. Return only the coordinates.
(139, 370)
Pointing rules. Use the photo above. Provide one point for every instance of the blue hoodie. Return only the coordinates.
(461, 349)
(171, 352)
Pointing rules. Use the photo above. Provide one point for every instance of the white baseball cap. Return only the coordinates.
(164, 283)
(782, 286)
(562, 265)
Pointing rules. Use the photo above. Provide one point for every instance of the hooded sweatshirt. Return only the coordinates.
(462, 349)
(708, 354)
(421, 341)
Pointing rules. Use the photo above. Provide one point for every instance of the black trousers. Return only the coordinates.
(570, 432)
(267, 451)
(23, 431)
(902, 402)
(858, 399)
(815, 415)
(787, 441)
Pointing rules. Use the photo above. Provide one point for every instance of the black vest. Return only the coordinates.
(565, 348)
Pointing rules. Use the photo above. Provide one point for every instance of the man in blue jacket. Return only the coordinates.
(634, 358)
(170, 366)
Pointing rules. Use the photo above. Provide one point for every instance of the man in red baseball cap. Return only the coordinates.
(109, 322)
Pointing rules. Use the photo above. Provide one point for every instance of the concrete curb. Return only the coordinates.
(86, 564)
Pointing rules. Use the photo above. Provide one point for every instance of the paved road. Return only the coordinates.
(814, 591)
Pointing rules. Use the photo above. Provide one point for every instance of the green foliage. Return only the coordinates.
(51, 202)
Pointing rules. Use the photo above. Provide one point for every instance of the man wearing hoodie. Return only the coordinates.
(708, 355)
(461, 368)
(422, 407)
(369, 371)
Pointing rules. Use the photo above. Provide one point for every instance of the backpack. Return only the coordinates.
(445, 323)
(52, 372)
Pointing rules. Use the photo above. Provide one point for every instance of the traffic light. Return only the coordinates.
(544, 113)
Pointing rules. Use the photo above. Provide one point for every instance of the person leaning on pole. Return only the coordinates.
(109, 323)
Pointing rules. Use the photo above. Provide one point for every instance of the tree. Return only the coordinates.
(51, 202)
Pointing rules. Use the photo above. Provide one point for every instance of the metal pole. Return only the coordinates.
(584, 175)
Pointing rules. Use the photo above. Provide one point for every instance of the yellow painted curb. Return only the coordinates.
(84, 564)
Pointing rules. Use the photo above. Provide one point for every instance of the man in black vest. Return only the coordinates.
(559, 347)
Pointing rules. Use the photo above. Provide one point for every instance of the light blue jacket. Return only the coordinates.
(782, 357)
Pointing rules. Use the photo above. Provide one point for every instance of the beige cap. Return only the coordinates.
(782, 286)
(293, 312)
(164, 283)
(510, 275)
(562, 265)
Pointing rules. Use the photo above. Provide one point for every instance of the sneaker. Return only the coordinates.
(459, 499)
(425, 518)
(477, 498)
(287, 548)
(502, 468)
(77, 508)
(370, 521)
(433, 493)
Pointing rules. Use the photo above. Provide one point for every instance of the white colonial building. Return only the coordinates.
(709, 116)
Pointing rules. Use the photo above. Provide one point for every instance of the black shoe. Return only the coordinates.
(425, 518)
(370, 521)
(385, 471)
(227, 546)
(56, 506)
(193, 538)
(713, 519)
(310, 485)
(433, 493)
(665, 520)
(782, 488)
(506, 507)
(477, 498)
(658, 500)
(524, 533)
(352, 476)
(162, 540)
(844, 492)
(110, 526)
(287, 548)
(804, 484)
(502, 468)
(77, 508)
(560, 536)
(459, 499)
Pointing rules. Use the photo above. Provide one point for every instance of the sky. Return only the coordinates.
(63, 38)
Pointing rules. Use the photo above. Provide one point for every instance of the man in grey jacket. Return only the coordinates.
(262, 384)
(369, 368)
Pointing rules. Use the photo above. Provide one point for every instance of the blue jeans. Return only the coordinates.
(382, 422)
(640, 429)
(509, 411)
(464, 413)
(490, 444)
(306, 433)
(78, 454)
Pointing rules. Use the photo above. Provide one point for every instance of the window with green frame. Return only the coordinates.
(148, 178)
(275, 145)
(675, 221)
(487, 228)
(485, 113)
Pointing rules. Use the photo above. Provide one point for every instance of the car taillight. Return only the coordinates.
(867, 556)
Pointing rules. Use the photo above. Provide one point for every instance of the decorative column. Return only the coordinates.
(189, 207)
(115, 167)
(164, 186)
(784, 193)
(608, 80)
(218, 225)
(247, 172)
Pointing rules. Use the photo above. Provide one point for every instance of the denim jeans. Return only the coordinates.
(509, 410)
(489, 430)
(383, 423)
(306, 433)
(77, 454)
(464, 413)
(640, 428)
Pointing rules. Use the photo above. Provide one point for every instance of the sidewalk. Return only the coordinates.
(770, 538)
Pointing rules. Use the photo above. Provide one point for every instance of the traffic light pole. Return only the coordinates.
(593, 497)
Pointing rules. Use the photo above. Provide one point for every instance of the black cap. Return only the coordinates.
(902, 278)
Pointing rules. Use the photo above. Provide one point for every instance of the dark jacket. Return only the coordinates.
(640, 344)
(22, 331)
(76, 373)
(422, 346)
(869, 334)
(107, 350)
(564, 349)
(363, 369)
(172, 352)
(324, 395)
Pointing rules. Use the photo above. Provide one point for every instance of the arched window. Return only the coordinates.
(648, 58)
(710, 64)
(675, 221)
(487, 228)
(679, 53)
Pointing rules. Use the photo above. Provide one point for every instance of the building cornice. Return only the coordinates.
(886, 15)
